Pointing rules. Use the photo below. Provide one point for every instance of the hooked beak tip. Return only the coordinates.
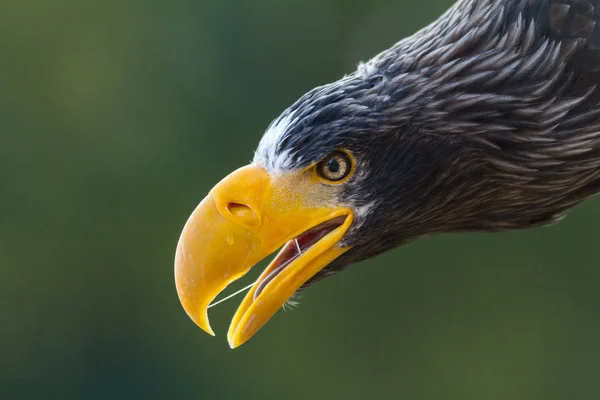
(201, 320)
(198, 313)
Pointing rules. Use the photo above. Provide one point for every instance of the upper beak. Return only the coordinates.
(245, 218)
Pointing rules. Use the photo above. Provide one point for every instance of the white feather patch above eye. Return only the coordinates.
(266, 154)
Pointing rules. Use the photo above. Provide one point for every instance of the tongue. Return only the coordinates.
(288, 254)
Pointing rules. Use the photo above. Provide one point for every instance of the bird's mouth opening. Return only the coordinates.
(299, 260)
(293, 249)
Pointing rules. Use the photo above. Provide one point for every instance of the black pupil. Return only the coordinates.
(333, 165)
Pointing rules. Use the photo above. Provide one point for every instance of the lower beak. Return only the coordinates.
(244, 219)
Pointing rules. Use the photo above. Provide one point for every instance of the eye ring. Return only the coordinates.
(335, 167)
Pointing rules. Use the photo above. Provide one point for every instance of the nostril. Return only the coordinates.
(237, 208)
(242, 212)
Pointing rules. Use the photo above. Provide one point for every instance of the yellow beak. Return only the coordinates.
(245, 218)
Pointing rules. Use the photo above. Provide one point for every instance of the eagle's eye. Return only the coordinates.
(335, 167)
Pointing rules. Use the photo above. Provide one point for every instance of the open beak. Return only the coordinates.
(245, 218)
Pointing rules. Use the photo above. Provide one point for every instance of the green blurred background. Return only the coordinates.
(117, 117)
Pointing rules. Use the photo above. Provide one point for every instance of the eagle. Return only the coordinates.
(486, 120)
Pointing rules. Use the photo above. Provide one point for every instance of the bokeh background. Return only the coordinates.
(117, 117)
